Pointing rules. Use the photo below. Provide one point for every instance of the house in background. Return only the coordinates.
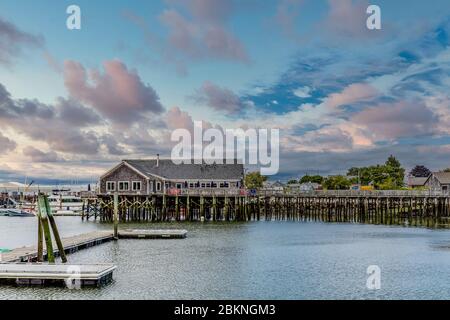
(439, 181)
(276, 186)
(304, 187)
(156, 176)
(417, 182)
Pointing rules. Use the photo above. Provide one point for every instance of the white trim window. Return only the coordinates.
(124, 185)
(110, 186)
(136, 186)
(158, 186)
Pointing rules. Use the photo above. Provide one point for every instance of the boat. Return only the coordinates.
(15, 213)
(65, 205)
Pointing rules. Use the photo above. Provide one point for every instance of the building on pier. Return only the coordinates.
(162, 176)
(439, 181)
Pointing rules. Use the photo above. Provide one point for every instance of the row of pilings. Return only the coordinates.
(164, 208)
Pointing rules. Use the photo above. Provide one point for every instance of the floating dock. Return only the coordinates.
(56, 274)
(88, 240)
(152, 234)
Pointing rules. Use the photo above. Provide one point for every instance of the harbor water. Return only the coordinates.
(257, 260)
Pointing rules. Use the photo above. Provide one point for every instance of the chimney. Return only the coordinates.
(157, 160)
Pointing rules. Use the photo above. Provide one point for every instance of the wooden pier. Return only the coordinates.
(324, 205)
(56, 274)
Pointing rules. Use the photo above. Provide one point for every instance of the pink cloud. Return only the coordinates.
(117, 94)
(286, 15)
(397, 120)
(218, 98)
(354, 93)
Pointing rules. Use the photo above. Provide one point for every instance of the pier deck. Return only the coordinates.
(45, 274)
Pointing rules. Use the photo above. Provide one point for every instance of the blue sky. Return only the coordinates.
(342, 95)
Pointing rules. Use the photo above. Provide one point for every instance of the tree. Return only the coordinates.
(292, 181)
(379, 175)
(395, 170)
(254, 180)
(420, 172)
(447, 170)
(313, 179)
(337, 183)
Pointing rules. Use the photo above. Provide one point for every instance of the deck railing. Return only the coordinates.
(357, 193)
(232, 192)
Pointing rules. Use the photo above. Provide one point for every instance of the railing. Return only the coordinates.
(356, 193)
(231, 192)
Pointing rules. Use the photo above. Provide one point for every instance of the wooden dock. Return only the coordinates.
(152, 234)
(88, 240)
(56, 274)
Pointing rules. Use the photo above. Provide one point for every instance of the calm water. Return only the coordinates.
(261, 260)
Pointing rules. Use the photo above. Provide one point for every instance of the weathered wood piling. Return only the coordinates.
(373, 207)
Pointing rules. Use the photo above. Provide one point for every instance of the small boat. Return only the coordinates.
(15, 213)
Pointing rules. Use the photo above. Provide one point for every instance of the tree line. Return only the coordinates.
(387, 176)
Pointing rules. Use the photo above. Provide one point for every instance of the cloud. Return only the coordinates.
(353, 93)
(6, 144)
(40, 156)
(63, 126)
(117, 94)
(178, 119)
(397, 120)
(347, 19)
(286, 15)
(13, 40)
(303, 92)
(217, 98)
(204, 36)
(197, 30)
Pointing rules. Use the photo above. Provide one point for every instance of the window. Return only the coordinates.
(158, 186)
(222, 184)
(124, 186)
(191, 185)
(203, 185)
(214, 185)
(136, 186)
(226, 185)
(110, 186)
(178, 185)
(208, 185)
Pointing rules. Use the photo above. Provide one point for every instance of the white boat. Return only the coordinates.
(65, 205)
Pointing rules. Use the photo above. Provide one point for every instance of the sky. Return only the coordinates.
(75, 102)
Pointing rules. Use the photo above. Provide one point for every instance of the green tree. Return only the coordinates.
(254, 180)
(337, 183)
(292, 181)
(395, 171)
(314, 179)
(391, 174)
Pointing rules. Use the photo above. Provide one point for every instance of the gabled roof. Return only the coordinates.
(442, 177)
(168, 170)
(417, 181)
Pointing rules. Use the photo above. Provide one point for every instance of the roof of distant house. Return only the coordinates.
(443, 177)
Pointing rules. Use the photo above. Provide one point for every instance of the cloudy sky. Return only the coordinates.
(74, 102)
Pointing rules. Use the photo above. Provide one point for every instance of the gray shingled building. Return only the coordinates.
(143, 177)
